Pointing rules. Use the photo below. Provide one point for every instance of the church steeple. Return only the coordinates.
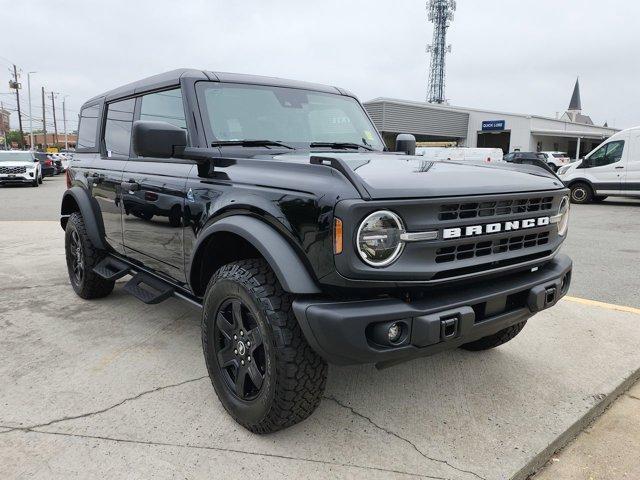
(574, 104)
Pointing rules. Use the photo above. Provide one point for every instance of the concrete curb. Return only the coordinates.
(537, 462)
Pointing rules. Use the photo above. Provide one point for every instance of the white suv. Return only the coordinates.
(556, 159)
(612, 168)
(18, 166)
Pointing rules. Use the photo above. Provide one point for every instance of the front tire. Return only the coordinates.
(495, 340)
(262, 368)
(81, 257)
(581, 193)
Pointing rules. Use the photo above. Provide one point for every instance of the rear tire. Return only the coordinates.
(495, 340)
(581, 193)
(262, 368)
(81, 257)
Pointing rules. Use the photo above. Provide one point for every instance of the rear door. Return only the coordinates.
(154, 194)
(631, 183)
(106, 171)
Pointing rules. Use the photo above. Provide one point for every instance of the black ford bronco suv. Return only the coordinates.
(275, 207)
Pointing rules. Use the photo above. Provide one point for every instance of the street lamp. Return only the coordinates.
(30, 115)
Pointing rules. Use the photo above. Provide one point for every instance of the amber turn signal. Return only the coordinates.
(337, 236)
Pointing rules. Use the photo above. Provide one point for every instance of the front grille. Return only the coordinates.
(13, 169)
(454, 211)
(487, 247)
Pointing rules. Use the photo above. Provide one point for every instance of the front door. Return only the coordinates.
(153, 195)
(606, 166)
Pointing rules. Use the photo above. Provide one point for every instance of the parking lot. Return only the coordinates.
(118, 388)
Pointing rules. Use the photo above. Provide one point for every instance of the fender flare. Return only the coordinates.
(92, 220)
(279, 254)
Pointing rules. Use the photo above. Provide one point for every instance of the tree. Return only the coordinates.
(14, 136)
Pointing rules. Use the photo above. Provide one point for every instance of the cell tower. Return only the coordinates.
(441, 14)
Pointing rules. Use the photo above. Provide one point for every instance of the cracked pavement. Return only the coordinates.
(114, 388)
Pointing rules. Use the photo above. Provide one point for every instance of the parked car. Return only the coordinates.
(556, 159)
(528, 158)
(47, 165)
(19, 166)
(57, 163)
(612, 168)
(274, 208)
(461, 154)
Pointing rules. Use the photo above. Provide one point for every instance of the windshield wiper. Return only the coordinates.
(343, 145)
(251, 143)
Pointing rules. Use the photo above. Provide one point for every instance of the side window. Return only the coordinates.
(164, 107)
(607, 154)
(614, 151)
(88, 128)
(117, 129)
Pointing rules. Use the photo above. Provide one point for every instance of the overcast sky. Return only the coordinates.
(513, 56)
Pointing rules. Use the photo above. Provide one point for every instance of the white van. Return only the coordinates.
(612, 168)
(461, 154)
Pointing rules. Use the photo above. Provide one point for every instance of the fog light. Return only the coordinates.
(395, 332)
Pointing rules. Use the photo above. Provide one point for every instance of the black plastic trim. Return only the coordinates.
(336, 329)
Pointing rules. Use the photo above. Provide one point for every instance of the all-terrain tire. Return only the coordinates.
(295, 375)
(581, 193)
(89, 285)
(495, 340)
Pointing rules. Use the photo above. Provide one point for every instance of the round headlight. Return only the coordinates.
(563, 211)
(378, 239)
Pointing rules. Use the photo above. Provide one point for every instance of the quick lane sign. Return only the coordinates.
(493, 125)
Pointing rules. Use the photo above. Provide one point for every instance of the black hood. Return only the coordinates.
(385, 175)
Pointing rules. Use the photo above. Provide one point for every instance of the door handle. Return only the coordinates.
(130, 186)
(95, 179)
(619, 167)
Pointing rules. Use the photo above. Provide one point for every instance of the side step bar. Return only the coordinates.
(144, 286)
(111, 268)
(148, 289)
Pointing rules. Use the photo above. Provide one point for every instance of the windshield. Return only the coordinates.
(16, 157)
(292, 116)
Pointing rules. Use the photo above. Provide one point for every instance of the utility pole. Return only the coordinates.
(44, 123)
(64, 122)
(30, 115)
(55, 125)
(2, 132)
(16, 85)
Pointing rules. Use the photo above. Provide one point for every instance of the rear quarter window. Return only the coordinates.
(88, 128)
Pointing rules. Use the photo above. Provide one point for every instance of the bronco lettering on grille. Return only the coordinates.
(473, 230)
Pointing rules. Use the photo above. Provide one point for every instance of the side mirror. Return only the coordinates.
(157, 139)
(405, 142)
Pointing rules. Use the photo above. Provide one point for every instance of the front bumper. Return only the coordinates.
(343, 332)
(17, 178)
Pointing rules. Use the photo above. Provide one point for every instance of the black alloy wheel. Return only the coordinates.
(77, 258)
(241, 355)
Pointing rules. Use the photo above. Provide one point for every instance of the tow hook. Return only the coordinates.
(550, 295)
(449, 328)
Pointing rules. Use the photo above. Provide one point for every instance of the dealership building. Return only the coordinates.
(573, 132)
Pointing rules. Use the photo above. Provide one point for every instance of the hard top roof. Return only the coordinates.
(172, 78)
